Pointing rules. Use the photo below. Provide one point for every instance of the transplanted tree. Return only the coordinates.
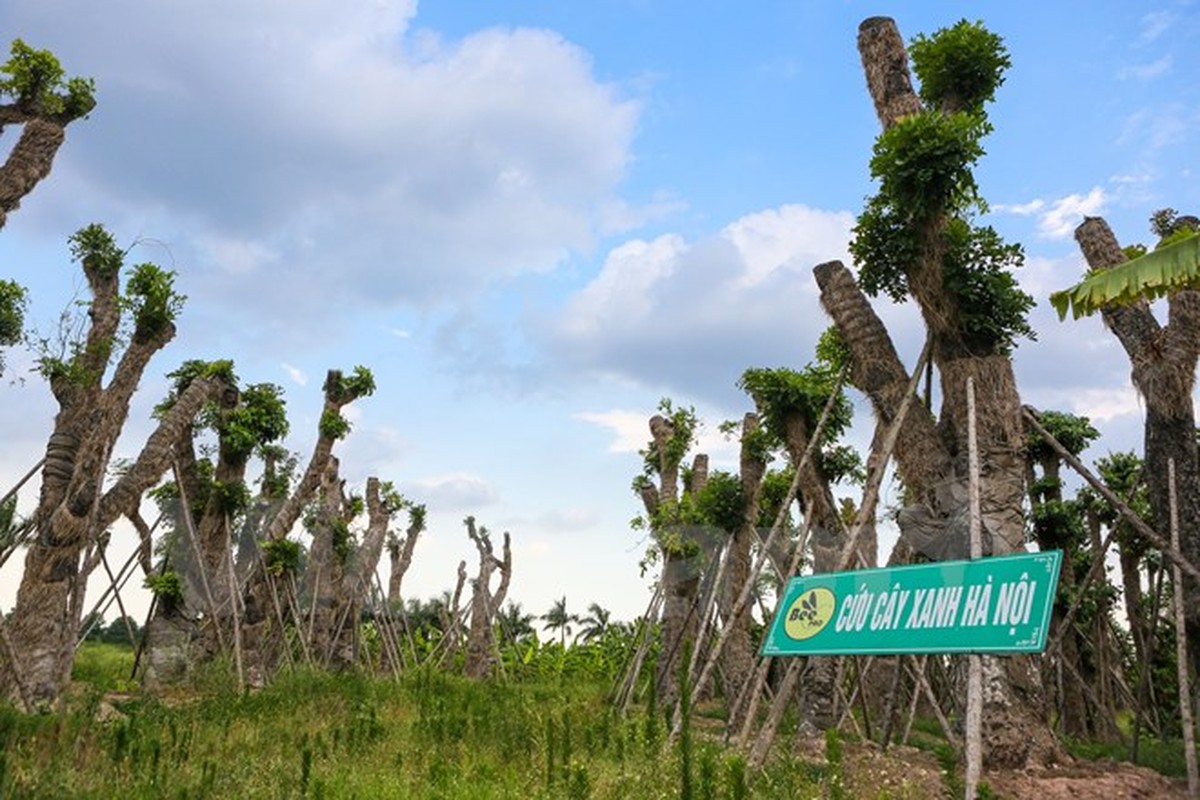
(264, 636)
(673, 433)
(400, 552)
(1080, 669)
(341, 566)
(917, 238)
(75, 508)
(485, 604)
(1163, 359)
(43, 101)
(790, 404)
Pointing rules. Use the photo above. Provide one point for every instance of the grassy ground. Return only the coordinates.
(428, 735)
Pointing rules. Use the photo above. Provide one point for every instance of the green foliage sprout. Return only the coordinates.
(782, 394)
(923, 163)
(920, 219)
(1073, 432)
(333, 425)
(721, 503)
(281, 556)
(685, 424)
(259, 419)
(37, 82)
(13, 303)
(151, 297)
(960, 67)
(167, 587)
(96, 250)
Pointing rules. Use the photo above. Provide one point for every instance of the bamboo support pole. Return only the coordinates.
(747, 588)
(866, 512)
(752, 692)
(974, 722)
(1133, 519)
(112, 581)
(235, 599)
(104, 603)
(25, 479)
(1181, 658)
(190, 532)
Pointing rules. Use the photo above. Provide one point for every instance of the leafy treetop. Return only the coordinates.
(928, 194)
(38, 84)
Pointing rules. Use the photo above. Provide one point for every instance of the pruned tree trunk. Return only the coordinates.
(1163, 360)
(262, 642)
(481, 637)
(74, 509)
(737, 655)
(400, 555)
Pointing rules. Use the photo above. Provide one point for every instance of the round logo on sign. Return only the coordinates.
(810, 613)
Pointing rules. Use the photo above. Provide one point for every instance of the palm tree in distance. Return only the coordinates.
(515, 624)
(557, 619)
(595, 624)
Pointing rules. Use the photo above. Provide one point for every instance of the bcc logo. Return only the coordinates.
(810, 613)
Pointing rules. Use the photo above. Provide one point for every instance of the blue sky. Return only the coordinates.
(534, 219)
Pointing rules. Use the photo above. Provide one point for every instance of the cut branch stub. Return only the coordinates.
(885, 62)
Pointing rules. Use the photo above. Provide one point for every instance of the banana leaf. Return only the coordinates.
(1156, 274)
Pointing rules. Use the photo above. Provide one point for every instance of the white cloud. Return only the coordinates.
(459, 491)
(786, 236)
(690, 316)
(1020, 209)
(1066, 213)
(629, 428)
(296, 374)
(470, 160)
(568, 520)
(1147, 71)
(623, 287)
(1154, 25)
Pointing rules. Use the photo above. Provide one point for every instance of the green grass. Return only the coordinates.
(311, 734)
(548, 734)
(1165, 756)
(104, 667)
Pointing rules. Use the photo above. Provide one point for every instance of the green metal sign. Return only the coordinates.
(992, 605)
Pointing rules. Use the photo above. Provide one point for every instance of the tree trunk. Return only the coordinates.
(72, 513)
(737, 655)
(481, 637)
(1164, 368)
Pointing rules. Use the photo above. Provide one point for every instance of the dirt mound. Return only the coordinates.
(1100, 780)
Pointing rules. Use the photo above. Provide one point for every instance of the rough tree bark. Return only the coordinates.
(400, 555)
(1163, 360)
(481, 637)
(737, 656)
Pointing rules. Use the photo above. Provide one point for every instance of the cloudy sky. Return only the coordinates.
(533, 219)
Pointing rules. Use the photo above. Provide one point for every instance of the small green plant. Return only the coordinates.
(167, 587)
(281, 556)
(835, 776)
(947, 757)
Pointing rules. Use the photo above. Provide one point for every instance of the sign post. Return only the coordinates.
(993, 605)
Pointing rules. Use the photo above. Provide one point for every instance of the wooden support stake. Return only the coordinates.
(1181, 657)
(1126, 513)
(866, 512)
(974, 732)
